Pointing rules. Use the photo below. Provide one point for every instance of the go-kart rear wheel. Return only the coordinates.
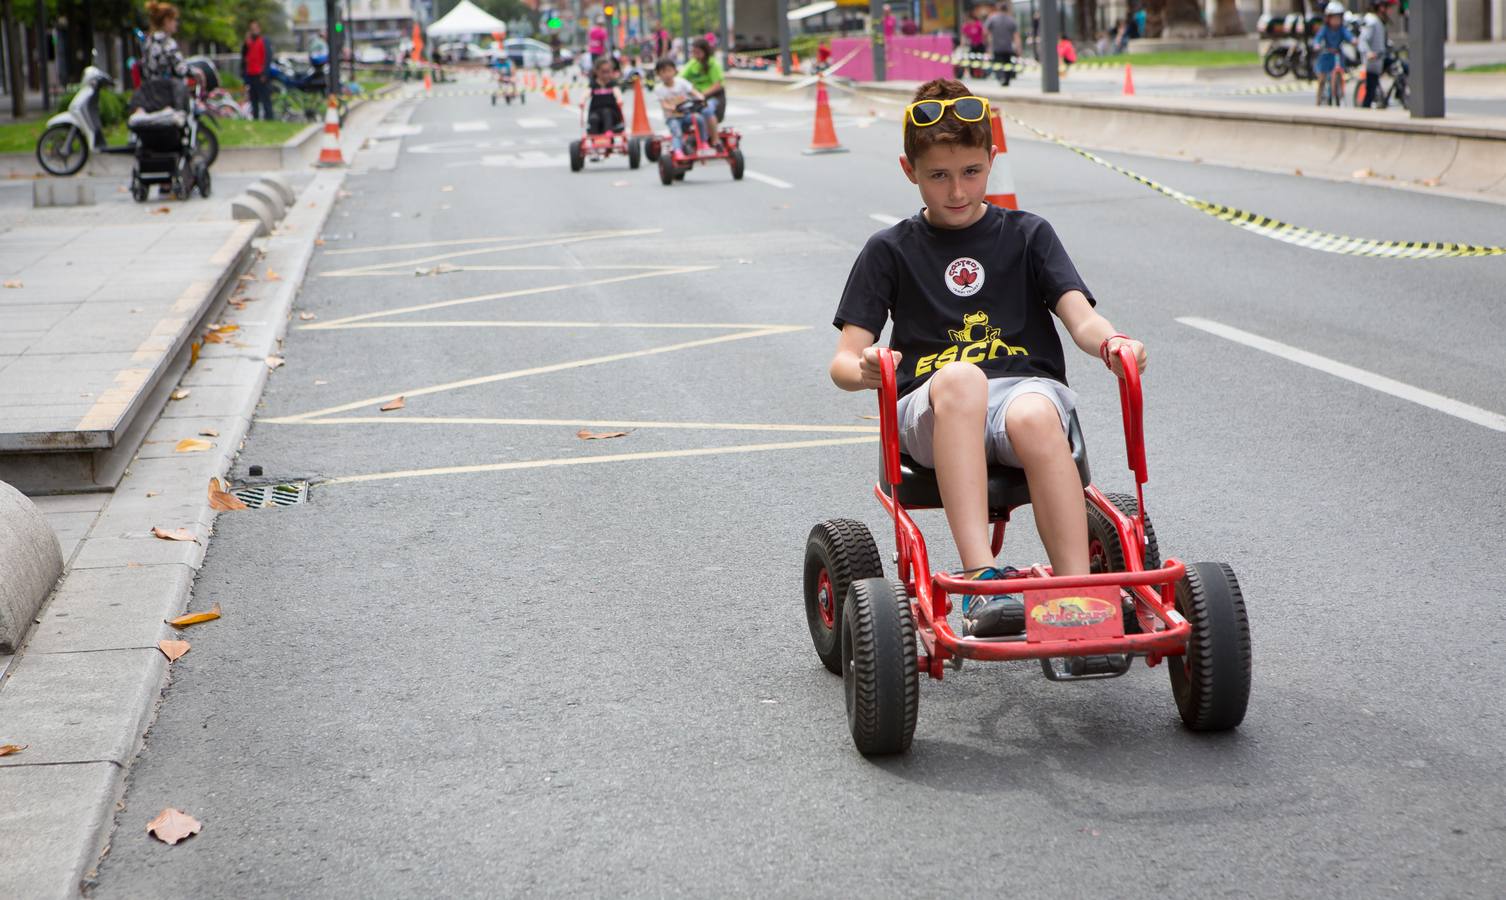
(880, 675)
(735, 159)
(837, 553)
(1106, 552)
(1211, 681)
(577, 158)
(667, 170)
(635, 152)
(651, 150)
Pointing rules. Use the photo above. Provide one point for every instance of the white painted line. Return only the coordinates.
(537, 123)
(473, 125)
(586, 423)
(885, 219)
(768, 179)
(1458, 409)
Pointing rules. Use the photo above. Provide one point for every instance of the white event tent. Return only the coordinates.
(466, 19)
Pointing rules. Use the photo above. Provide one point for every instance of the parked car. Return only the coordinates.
(460, 51)
(370, 54)
(527, 53)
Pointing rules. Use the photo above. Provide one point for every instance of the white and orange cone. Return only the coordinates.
(824, 136)
(329, 147)
(428, 83)
(1001, 176)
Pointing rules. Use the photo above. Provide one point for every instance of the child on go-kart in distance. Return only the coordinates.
(604, 115)
(671, 91)
(980, 372)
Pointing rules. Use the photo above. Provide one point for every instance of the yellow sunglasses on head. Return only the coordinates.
(922, 113)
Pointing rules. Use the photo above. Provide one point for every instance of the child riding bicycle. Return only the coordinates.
(1329, 42)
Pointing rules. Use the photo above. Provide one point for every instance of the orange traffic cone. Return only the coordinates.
(1129, 81)
(794, 60)
(824, 140)
(1359, 95)
(428, 83)
(641, 128)
(329, 147)
(549, 92)
(1000, 191)
(565, 97)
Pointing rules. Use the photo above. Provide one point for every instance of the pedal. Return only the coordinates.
(1000, 616)
(1084, 668)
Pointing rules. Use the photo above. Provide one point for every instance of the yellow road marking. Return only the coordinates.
(503, 295)
(537, 370)
(580, 423)
(489, 323)
(588, 460)
(508, 248)
(388, 248)
(375, 272)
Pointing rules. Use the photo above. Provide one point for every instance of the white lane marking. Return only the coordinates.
(885, 219)
(537, 123)
(1456, 408)
(589, 423)
(397, 131)
(527, 159)
(473, 125)
(768, 179)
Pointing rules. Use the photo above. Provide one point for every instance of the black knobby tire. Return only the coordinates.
(1106, 552)
(494, 100)
(62, 150)
(681, 173)
(842, 551)
(880, 674)
(1302, 67)
(736, 161)
(207, 147)
(667, 170)
(1276, 62)
(1211, 682)
(523, 98)
(203, 184)
(635, 152)
(651, 150)
(577, 158)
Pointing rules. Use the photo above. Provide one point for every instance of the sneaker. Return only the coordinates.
(992, 615)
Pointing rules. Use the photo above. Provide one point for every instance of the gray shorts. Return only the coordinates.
(917, 422)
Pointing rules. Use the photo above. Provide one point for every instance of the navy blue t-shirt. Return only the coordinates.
(983, 294)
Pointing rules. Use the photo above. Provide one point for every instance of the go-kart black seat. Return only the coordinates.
(1007, 488)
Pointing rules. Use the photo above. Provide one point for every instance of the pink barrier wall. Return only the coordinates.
(902, 66)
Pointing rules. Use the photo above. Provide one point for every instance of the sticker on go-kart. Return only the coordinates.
(1073, 614)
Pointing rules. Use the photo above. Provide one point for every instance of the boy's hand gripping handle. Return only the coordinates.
(889, 416)
(1133, 404)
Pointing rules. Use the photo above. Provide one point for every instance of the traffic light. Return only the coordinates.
(553, 23)
(339, 27)
(610, 11)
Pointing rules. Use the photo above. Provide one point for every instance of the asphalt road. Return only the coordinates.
(508, 663)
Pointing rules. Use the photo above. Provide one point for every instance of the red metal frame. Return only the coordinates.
(1164, 632)
(730, 139)
(597, 147)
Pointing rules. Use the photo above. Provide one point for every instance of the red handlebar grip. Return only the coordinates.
(1132, 401)
(889, 416)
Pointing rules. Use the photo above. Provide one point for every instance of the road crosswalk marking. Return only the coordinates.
(473, 125)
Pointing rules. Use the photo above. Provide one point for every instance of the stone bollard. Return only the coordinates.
(31, 561)
(282, 186)
(271, 197)
(248, 207)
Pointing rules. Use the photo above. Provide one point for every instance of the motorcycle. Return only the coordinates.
(71, 135)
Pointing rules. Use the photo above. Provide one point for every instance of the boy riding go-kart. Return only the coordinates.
(976, 418)
(603, 122)
(691, 136)
(507, 85)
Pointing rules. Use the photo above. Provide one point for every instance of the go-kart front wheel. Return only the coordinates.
(651, 150)
(635, 152)
(735, 160)
(837, 553)
(577, 158)
(1211, 681)
(667, 170)
(880, 674)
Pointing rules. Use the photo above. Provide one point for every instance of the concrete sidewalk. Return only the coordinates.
(82, 690)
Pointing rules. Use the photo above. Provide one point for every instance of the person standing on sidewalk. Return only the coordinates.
(1004, 40)
(256, 54)
(162, 58)
(1374, 45)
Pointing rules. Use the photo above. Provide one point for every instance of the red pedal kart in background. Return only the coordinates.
(864, 626)
(597, 147)
(674, 164)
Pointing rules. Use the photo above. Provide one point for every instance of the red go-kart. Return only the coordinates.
(674, 164)
(597, 147)
(1080, 627)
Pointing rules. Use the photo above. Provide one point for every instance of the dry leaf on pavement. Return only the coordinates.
(211, 337)
(1430, 182)
(275, 361)
(177, 534)
(1364, 173)
(152, 493)
(318, 242)
(192, 445)
(223, 328)
(210, 432)
(181, 393)
(273, 276)
(161, 211)
(585, 435)
(173, 825)
(172, 649)
(248, 277)
(867, 417)
(390, 405)
(307, 316)
(8, 749)
(195, 618)
(221, 499)
(13, 284)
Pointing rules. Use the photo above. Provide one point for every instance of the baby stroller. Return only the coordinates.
(165, 128)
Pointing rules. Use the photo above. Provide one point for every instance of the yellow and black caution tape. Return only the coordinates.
(1287, 88)
(1285, 232)
(972, 61)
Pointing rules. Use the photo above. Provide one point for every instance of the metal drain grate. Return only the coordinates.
(272, 496)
